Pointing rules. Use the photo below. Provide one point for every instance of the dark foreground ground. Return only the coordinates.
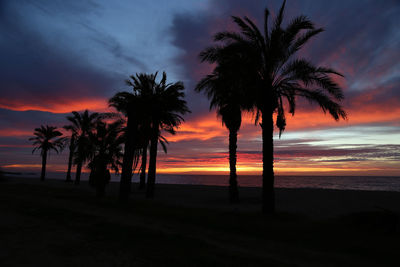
(56, 224)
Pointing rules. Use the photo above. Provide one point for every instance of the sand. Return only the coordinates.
(313, 203)
(52, 223)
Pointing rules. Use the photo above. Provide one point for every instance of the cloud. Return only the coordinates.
(40, 71)
(290, 156)
(361, 40)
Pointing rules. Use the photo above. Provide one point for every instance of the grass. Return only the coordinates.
(46, 225)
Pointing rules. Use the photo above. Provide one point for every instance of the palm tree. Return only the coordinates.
(45, 141)
(150, 108)
(133, 106)
(72, 147)
(228, 97)
(82, 125)
(107, 142)
(275, 74)
(142, 178)
(167, 106)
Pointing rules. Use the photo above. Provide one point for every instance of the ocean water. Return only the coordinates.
(371, 183)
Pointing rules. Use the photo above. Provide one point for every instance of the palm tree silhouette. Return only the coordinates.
(166, 109)
(82, 125)
(274, 74)
(144, 143)
(134, 107)
(227, 95)
(151, 107)
(106, 141)
(72, 147)
(46, 140)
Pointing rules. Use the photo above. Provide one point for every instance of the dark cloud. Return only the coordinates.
(113, 46)
(26, 121)
(35, 70)
(31, 71)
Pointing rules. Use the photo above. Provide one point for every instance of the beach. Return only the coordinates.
(52, 223)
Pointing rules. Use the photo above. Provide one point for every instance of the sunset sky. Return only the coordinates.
(57, 56)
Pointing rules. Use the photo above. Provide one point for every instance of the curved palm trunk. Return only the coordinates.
(151, 177)
(44, 161)
(78, 173)
(127, 162)
(268, 191)
(70, 157)
(233, 185)
(142, 183)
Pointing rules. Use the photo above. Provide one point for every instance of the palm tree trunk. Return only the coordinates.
(127, 162)
(142, 183)
(151, 177)
(44, 161)
(268, 191)
(71, 154)
(233, 185)
(78, 172)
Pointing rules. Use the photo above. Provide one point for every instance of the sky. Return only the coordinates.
(58, 56)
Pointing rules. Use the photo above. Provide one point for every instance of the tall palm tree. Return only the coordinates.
(46, 140)
(228, 97)
(274, 74)
(167, 106)
(134, 106)
(72, 147)
(142, 177)
(82, 125)
(107, 142)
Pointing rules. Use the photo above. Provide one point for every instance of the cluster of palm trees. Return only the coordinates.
(91, 140)
(254, 71)
(257, 70)
(150, 109)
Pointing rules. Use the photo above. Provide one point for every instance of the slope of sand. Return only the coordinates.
(313, 203)
(52, 223)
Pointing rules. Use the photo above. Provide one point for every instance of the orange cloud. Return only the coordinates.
(368, 115)
(62, 105)
(202, 128)
(15, 132)
(209, 126)
(217, 163)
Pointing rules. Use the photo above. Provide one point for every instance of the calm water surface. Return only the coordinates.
(381, 183)
(374, 183)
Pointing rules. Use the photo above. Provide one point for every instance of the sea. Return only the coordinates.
(368, 183)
